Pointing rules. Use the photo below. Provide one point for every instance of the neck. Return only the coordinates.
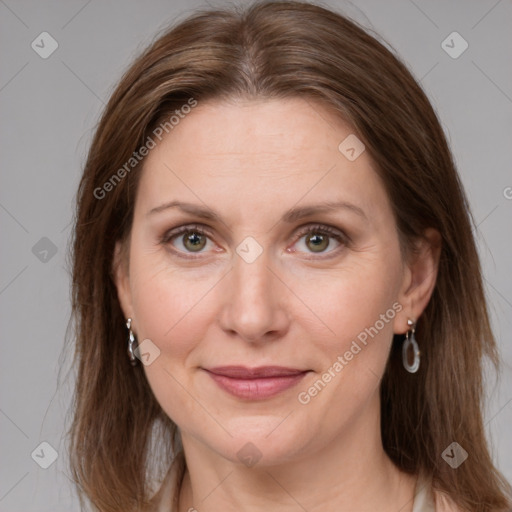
(351, 472)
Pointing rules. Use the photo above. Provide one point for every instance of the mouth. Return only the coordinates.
(255, 383)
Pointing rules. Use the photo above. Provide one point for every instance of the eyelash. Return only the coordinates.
(318, 229)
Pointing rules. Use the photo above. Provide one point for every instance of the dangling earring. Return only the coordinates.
(131, 344)
(410, 339)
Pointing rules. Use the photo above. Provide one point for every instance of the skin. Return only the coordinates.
(296, 306)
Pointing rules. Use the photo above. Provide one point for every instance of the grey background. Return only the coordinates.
(49, 108)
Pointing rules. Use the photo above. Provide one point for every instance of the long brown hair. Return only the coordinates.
(281, 50)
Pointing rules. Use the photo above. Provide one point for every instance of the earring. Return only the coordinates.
(131, 344)
(410, 339)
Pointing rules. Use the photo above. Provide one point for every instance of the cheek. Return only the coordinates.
(349, 300)
(171, 314)
(166, 302)
(359, 307)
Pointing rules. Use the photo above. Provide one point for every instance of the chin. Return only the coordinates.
(261, 441)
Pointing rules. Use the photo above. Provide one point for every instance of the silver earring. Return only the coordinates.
(410, 339)
(131, 344)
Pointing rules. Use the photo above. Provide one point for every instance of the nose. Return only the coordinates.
(255, 301)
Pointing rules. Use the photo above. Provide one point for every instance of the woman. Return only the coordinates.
(271, 224)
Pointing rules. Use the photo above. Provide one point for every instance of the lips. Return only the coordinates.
(241, 372)
(255, 383)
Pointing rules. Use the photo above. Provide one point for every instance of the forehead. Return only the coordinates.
(256, 129)
(272, 152)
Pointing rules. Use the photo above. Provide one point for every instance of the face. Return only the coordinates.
(273, 316)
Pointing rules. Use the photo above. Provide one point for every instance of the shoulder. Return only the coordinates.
(430, 498)
(444, 503)
(166, 498)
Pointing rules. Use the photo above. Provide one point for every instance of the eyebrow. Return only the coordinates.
(292, 215)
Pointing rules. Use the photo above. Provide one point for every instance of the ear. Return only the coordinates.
(419, 279)
(120, 273)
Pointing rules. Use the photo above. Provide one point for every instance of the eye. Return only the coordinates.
(192, 239)
(317, 238)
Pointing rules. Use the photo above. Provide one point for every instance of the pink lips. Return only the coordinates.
(255, 383)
